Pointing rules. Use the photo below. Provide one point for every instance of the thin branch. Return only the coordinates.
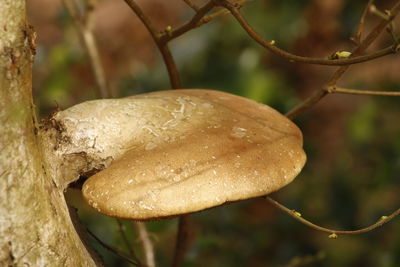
(378, 13)
(126, 241)
(83, 26)
(169, 61)
(113, 250)
(147, 245)
(294, 214)
(362, 92)
(145, 20)
(270, 45)
(167, 36)
(378, 29)
(88, 19)
(162, 46)
(219, 13)
(198, 19)
(361, 24)
(391, 30)
(319, 94)
(191, 4)
(181, 240)
(385, 16)
(316, 96)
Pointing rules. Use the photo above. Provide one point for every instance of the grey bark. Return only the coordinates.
(35, 225)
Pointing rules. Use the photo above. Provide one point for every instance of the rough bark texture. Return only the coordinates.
(35, 226)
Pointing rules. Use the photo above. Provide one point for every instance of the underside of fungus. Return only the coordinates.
(174, 152)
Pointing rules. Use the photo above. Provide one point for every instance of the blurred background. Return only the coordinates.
(352, 176)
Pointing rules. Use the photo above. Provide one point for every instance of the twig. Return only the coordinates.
(316, 96)
(219, 13)
(361, 24)
(146, 21)
(126, 241)
(319, 94)
(83, 26)
(191, 4)
(169, 61)
(362, 92)
(390, 30)
(148, 248)
(295, 58)
(201, 12)
(385, 16)
(377, 12)
(113, 250)
(198, 19)
(162, 46)
(181, 240)
(380, 222)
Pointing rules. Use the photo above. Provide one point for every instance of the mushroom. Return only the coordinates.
(169, 153)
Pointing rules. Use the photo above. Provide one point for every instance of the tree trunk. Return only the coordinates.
(35, 225)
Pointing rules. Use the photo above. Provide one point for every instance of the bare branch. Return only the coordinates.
(198, 19)
(146, 21)
(316, 96)
(391, 30)
(191, 4)
(83, 25)
(113, 250)
(169, 61)
(361, 24)
(377, 12)
(88, 19)
(181, 240)
(319, 94)
(147, 245)
(218, 13)
(162, 46)
(270, 45)
(121, 230)
(167, 36)
(362, 92)
(334, 233)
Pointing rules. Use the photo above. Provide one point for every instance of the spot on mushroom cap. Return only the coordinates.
(200, 149)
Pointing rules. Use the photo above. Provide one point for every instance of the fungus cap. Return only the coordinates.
(193, 150)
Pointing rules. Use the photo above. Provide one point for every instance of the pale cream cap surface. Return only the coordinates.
(197, 149)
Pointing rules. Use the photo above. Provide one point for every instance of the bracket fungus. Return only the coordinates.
(169, 153)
